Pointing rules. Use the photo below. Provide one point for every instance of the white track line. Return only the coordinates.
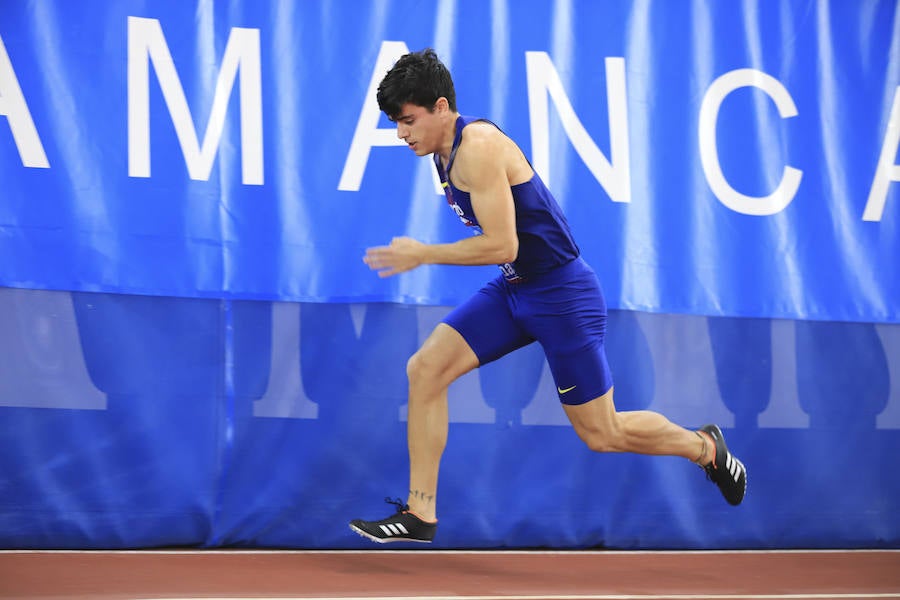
(464, 552)
(578, 597)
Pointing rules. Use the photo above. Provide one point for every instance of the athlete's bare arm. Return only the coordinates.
(487, 163)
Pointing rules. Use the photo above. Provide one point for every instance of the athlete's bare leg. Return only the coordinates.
(444, 357)
(642, 432)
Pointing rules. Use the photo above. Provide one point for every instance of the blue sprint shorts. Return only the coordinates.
(564, 310)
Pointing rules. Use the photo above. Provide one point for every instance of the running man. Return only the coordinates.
(545, 292)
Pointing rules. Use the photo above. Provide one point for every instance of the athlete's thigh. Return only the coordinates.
(568, 318)
(487, 324)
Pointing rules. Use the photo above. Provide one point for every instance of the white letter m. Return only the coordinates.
(146, 44)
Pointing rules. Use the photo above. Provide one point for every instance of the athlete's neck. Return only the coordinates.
(447, 139)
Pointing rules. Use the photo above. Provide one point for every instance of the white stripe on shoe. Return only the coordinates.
(391, 529)
(735, 467)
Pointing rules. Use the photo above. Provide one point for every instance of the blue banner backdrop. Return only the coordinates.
(135, 421)
(732, 159)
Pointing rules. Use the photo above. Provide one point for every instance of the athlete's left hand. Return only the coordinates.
(404, 254)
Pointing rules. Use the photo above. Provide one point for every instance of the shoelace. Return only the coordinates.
(400, 504)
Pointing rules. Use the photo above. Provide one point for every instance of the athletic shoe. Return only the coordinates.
(726, 471)
(403, 526)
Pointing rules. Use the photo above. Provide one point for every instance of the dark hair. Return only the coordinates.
(419, 78)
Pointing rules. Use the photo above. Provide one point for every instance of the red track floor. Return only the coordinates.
(429, 574)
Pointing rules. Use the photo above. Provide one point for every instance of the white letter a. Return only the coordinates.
(887, 170)
(367, 133)
(12, 104)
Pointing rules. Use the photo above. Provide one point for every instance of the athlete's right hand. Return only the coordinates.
(403, 254)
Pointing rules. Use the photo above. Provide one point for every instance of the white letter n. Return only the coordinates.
(615, 174)
(146, 43)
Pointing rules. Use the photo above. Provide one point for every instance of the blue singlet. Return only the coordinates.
(548, 294)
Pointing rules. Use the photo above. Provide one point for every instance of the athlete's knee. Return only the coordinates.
(443, 357)
(427, 369)
(604, 440)
(601, 431)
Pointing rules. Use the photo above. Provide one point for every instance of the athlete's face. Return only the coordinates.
(420, 128)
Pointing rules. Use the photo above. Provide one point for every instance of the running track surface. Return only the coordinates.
(427, 575)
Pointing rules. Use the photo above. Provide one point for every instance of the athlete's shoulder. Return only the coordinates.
(482, 139)
(486, 146)
(481, 127)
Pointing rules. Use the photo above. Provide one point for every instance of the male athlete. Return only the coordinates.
(545, 292)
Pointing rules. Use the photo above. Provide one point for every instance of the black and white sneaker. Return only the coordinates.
(403, 526)
(726, 471)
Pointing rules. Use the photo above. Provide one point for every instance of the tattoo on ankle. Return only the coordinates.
(418, 495)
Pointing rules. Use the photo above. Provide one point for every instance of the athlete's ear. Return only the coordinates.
(442, 104)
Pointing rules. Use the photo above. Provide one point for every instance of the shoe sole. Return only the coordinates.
(379, 540)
